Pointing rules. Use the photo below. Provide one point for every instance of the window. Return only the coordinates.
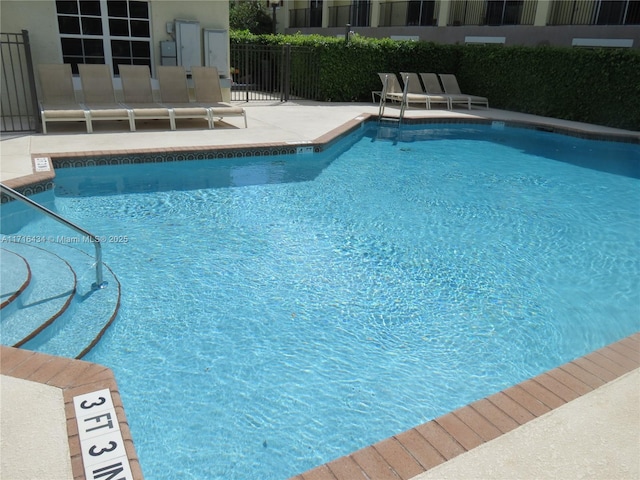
(618, 12)
(421, 12)
(504, 12)
(104, 31)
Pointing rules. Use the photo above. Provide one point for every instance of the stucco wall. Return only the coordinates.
(38, 17)
(210, 14)
(515, 35)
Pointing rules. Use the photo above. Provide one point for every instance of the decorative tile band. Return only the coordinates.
(89, 160)
(28, 190)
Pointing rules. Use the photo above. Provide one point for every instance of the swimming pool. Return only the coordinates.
(279, 312)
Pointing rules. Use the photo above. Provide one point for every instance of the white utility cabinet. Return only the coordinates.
(216, 50)
(188, 45)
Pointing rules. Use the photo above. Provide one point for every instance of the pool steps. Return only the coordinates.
(16, 276)
(49, 304)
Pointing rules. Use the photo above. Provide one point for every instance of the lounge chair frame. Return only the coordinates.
(416, 88)
(208, 92)
(59, 102)
(99, 95)
(432, 86)
(450, 85)
(174, 93)
(138, 95)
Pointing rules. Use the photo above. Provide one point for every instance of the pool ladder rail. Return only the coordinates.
(100, 283)
(383, 100)
(54, 299)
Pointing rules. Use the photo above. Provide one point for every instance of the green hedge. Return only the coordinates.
(600, 86)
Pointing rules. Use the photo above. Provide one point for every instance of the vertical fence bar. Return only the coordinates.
(272, 72)
(246, 70)
(32, 81)
(285, 78)
(19, 101)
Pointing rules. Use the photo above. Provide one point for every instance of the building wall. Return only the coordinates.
(210, 14)
(39, 18)
(514, 35)
(537, 34)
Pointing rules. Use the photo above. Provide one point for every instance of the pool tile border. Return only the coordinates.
(41, 181)
(73, 377)
(426, 446)
(401, 456)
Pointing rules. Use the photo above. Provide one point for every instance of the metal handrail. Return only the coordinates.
(96, 242)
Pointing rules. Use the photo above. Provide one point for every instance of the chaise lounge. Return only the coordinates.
(174, 93)
(209, 93)
(450, 84)
(59, 102)
(99, 95)
(431, 97)
(432, 86)
(138, 95)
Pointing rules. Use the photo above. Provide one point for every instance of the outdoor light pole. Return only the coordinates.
(274, 4)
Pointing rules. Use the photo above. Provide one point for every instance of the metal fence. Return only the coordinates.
(19, 105)
(273, 72)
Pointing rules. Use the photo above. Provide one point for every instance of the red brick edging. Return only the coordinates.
(419, 449)
(73, 377)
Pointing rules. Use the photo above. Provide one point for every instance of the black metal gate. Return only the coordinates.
(19, 105)
(273, 72)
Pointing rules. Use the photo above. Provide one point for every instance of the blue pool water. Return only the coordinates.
(280, 312)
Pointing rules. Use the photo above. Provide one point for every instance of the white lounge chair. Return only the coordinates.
(208, 92)
(431, 97)
(391, 90)
(99, 95)
(59, 102)
(432, 86)
(175, 95)
(138, 95)
(450, 84)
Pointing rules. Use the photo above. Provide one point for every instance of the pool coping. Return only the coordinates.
(401, 456)
(421, 448)
(73, 377)
(40, 181)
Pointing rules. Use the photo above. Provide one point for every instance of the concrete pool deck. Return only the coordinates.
(578, 421)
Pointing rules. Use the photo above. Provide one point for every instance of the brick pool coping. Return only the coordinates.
(73, 377)
(401, 456)
(421, 448)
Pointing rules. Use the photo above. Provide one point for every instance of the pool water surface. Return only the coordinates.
(280, 312)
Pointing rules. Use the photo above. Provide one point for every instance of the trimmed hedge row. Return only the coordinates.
(600, 86)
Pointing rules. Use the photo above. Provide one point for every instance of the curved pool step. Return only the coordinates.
(15, 276)
(51, 288)
(54, 306)
(75, 333)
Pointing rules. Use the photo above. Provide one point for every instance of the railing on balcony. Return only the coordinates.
(358, 14)
(413, 12)
(305, 17)
(492, 12)
(595, 12)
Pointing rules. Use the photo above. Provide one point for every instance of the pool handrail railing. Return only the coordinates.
(100, 283)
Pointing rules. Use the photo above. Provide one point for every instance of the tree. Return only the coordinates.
(250, 15)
